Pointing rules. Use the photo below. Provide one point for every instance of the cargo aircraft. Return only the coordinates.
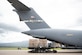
(39, 28)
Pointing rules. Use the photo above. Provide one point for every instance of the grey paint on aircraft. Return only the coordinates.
(35, 21)
(71, 37)
(29, 14)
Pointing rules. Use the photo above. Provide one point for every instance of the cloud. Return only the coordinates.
(8, 27)
(1, 31)
(79, 21)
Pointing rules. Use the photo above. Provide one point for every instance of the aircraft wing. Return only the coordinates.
(18, 5)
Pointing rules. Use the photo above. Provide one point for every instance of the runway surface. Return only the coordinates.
(25, 52)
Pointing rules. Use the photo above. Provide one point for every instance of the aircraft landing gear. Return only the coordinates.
(54, 51)
(42, 51)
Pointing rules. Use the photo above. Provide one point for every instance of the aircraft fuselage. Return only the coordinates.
(71, 37)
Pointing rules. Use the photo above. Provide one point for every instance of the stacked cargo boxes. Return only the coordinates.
(42, 42)
(38, 43)
(33, 43)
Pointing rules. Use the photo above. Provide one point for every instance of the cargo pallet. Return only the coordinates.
(42, 50)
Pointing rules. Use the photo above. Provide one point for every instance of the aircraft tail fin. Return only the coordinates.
(18, 5)
(31, 18)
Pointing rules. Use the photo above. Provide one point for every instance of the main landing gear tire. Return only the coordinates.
(54, 51)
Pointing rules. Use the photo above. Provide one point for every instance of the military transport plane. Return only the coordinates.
(39, 29)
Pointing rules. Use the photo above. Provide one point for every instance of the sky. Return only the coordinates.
(58, 14)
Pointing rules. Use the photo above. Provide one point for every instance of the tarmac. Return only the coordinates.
(25, 52)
